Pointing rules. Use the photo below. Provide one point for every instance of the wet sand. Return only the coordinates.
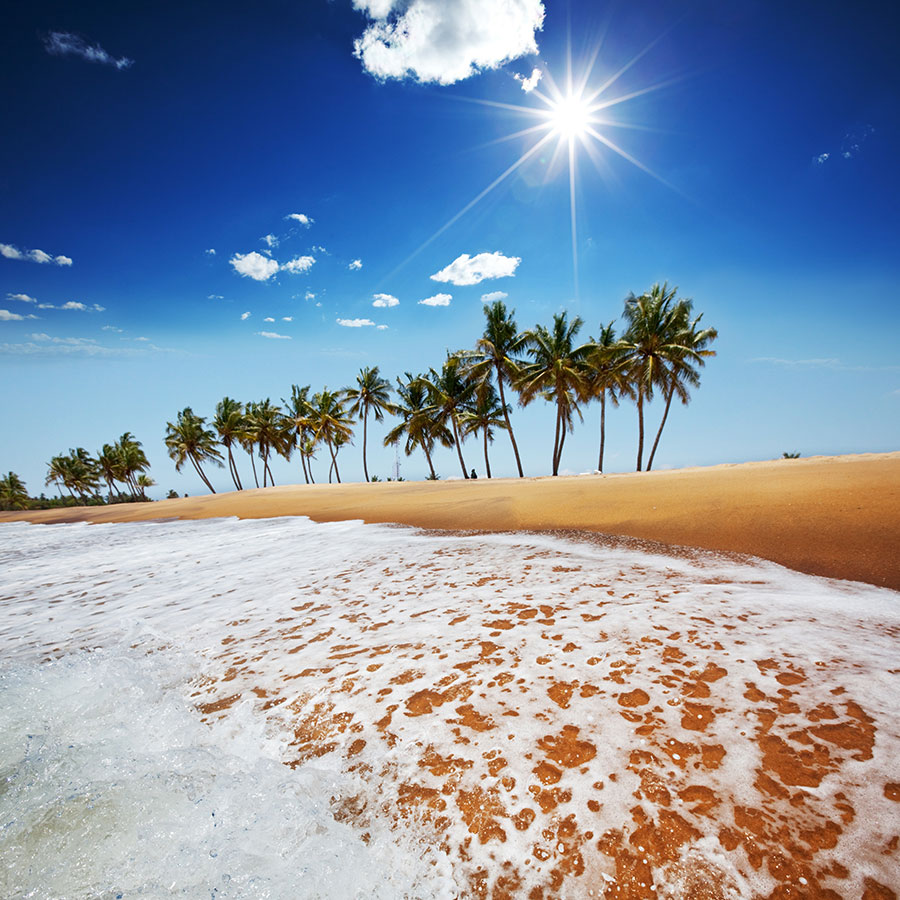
(834, 516)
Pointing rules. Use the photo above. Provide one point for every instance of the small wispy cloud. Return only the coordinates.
(466, 270)
(270, 240)
(493, 295)
(382, 327)
(22, 298)
(309, 295)
(73, 306)
(302, 218)
(356, 323)
(355, 265)
(214, 297)
(268, 319)
(437, 300)
(7, 316)
(75, 342)
(111, 328)
(64, 43)
(211, 251)
(274, 336)
(287, 318)
(530, 82)
(10, 251)
(821, 363)
(299, 264)
(245, 316)
(383, 301)
(852, 145)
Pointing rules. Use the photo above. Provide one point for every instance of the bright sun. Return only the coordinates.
(570, 116)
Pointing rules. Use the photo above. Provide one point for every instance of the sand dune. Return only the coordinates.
(833, 516)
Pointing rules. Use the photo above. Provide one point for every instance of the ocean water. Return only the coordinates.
(279, 708)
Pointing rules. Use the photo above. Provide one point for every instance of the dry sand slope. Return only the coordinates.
(833, 516)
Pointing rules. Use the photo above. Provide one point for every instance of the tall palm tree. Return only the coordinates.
(58, 474)
(452, 392)
(133, 460)
(372, 393)
(13, 494)
(557, 373)
(230, 425)
(110, 462)
(484, 415)
(688, 351)
(299, 411)
(247, 438)
(607, 376)
(330, 420)
(83, 473)
(418, 423)
(189, 439)
(269, 430)
(496, 355)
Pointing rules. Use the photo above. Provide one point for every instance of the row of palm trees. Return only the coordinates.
(122, 466)
(659, 353)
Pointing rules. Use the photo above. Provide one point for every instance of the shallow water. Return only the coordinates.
(278, 708)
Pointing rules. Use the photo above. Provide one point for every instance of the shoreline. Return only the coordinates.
(833, 516)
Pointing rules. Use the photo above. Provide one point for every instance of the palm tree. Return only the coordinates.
(452, 391)
(189, 438)
(143, 482)
(607, 376)
(484, 415)
(110, 462)
(58, 474)
(558, 373)
(329, 421)
(133, 460)
(269, 430)
(83, 473)
(230, 425)
(495, 355)
(247, 439)
(371, 393)
(299, 411)
(13, 494)
(687, 351)
(418, 425)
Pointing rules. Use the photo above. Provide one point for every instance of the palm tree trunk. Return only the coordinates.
(487, 462)
(556, 440)
(232, 465)
(253, 464)
(303, 464)
(309, 466)
(602, 428)
(334, 464)
(661, 426)
(458, 448)
(562, 443)
(428, 457)
(365, 429)
(267, 470)
(640, 407)
(508, 424)
(200, 473)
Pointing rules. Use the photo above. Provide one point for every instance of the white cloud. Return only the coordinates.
(22, 298)
(245, 316)
(141, 339)
(111, 328)
(437, 300)
(58, 340)
(445, 40)
(211, 251)
(302, 218)
(355, 323)
(318, 248)
(531, 82)
(384, 300)
(38, 256)
(287, 318)
(494, 295)
(254, 265)
(299, 264)
(384, 328)
(272, 335)
(353, 267)
(821, 159)
(74, 304)
(7, 316)
(467, 269)
(270, 240)
(268, 319)
(309, 295)
(214, 297)
(63, 43)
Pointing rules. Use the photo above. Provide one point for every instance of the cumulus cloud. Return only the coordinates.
(445, 40)
(309, 295)
(493, 295)
(467, 269)
(384, 300)
(270, 240)
(274, 336)
(437, 300)
(7, 316)
(287, 318)
(355, 265)
(355, 323)
(268, 319)
(384, 328)
(302, 218)
(245, 316)
(531, 82)
(22, 298)
(10, 251)
(211, 251)
(64, 43)
(254, 265)
(299, 264)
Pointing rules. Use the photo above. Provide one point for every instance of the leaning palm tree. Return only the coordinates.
(110, 462)
(452, 392)
(58, 474)
(418, 424)
(269, 430)
(484, 415)
(607, 376)
(372, 393)
(83, 474)
(557, 373)
(132, 459)
(13, 494)
(687, 351)
(230, 425)
(496, 355)
(299, 411)
(329, 421)
(189, 439)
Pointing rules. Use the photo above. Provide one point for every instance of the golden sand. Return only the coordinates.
(837, 516)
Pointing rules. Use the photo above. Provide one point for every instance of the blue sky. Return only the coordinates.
(139, 138)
